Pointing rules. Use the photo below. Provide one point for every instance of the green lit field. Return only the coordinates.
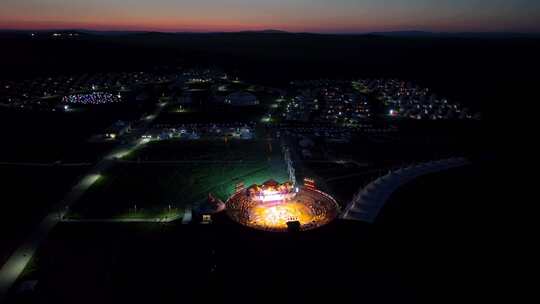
(206, 150)
(178, 174)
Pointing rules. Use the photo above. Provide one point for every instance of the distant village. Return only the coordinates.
(344, 103)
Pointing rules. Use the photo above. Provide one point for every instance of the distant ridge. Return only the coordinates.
(426, 34)
(406, 34)
(268, 31)
(396, 34)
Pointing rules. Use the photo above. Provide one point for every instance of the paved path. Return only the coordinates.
(126, 220)
(367, 203)
(188, 215)
(12, 269)
(22, 256)
(176, 162)
(27, 164)
(15, 265)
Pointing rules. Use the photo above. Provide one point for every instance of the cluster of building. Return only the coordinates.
(213, 84)
(199, 131)
(337, 102)
(181, 86)
(37, 91)
(325, 101)
(403, 99)
(349, 103)
(56, 35)
(204, 75)
(92, 98)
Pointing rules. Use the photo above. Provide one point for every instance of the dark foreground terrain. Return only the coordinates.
(439, 239)
(432, 244)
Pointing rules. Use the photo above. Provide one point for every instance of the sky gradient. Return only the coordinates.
(325, 16)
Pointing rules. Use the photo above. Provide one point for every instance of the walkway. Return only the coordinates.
(12, 269)
(167, 219)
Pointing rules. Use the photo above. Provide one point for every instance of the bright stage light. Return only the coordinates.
(270, 197)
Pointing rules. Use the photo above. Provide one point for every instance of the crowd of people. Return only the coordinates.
(310, 208)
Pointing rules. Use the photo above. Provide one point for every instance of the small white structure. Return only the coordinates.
(119, 128)
(245, 133)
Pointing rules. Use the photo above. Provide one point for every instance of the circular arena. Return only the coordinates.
(281, 207)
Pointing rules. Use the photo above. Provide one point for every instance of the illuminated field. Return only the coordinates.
(310, 208)
(191, 170)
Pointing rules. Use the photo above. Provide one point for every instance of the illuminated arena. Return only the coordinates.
(279, 207)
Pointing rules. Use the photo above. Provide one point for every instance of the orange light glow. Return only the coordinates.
(277, 216)
(271, 206)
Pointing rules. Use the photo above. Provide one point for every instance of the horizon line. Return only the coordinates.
(266, 30)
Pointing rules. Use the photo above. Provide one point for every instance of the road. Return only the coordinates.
(26, 164)
(187, 215)
(182, 162)
(19, 259)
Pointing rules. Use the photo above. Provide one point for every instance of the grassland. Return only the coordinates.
(163, 178)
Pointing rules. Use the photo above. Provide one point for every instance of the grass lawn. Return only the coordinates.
(152, 187)
(205, 150)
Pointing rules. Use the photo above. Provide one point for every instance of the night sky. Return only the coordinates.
(328, 16)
